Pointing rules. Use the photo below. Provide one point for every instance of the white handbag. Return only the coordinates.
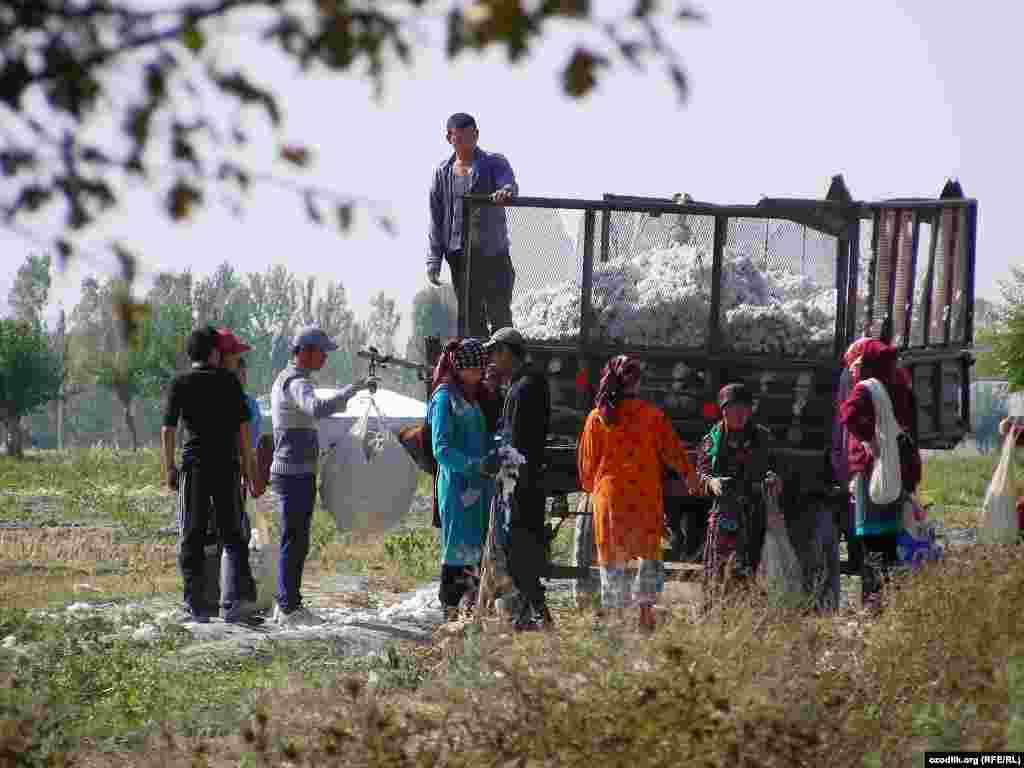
(886, 484)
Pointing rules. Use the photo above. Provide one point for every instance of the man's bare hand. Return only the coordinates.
(503, 196)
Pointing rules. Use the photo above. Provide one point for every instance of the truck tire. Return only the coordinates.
(584, 553)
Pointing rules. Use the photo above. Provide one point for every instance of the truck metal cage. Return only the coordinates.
(771, 294)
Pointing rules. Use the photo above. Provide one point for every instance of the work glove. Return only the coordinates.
(434, 276)
(772, 484)
(490, 465)
(719, 485)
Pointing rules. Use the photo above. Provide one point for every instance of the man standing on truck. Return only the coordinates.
(295, 409)
(471, 171)
(210, 402)
(525, 419)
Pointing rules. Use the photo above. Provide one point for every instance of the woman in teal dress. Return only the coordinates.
(460, 440)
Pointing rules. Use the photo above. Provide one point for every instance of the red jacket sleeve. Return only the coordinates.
(857, 413)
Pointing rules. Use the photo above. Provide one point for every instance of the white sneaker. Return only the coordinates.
(300, 617)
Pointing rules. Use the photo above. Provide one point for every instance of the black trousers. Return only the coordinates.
(456, 581)
(246, 581)
(527, 544)
(879, 556)
(491, 282)
(208, 498)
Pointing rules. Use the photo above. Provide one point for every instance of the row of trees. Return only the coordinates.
(998, 341)
(101, 372)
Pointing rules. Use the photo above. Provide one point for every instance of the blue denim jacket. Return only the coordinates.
(488, 226)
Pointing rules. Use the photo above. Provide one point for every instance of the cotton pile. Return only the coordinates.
(662, 297)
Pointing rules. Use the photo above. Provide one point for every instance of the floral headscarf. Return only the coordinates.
(620, 376)
(458, 356)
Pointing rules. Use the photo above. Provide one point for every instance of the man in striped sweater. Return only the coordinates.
(295, 409)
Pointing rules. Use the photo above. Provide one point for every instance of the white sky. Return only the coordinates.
(896, 97)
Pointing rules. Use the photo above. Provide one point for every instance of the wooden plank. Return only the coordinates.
(869, 310)
(930, 278)
(915, 241)
(714, 319)
(467, 256)
(853, 271)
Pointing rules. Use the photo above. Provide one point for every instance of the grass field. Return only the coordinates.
(747, 685)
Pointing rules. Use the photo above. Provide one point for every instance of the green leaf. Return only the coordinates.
(192, 38)
(239, 86)
(680, 81)
(296, 155)
(344, 214)
(181, 199)
(14, 79)
(644, 8)
(580, 76)
(312, 210)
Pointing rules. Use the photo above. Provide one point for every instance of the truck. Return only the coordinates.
(675, 283)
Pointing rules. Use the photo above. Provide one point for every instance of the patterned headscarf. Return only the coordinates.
(458, 356)
(620, 375)
(470, 354)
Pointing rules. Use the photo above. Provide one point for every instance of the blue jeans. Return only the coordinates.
(298, 495)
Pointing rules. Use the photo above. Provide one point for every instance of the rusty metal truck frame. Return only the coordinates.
(934, 335)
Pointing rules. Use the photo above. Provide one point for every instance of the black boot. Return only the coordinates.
(526, 620)
(543, 616)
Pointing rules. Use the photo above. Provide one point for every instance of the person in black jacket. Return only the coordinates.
(525, 419)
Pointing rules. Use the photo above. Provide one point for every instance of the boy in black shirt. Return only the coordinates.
(211, 403)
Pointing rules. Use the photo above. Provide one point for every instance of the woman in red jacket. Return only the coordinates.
(877, 526)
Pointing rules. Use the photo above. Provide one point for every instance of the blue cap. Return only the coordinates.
(311, 336)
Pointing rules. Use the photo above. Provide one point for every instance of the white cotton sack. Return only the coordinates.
(368, 496)
(780, 566)
(263, 559)
(998, 521)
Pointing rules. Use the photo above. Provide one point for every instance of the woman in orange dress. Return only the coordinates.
(625, 446)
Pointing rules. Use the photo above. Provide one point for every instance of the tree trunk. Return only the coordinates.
(14, 435)
(129, 420)
(60, 424)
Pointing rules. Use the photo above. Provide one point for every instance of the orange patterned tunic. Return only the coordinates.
(622, 467)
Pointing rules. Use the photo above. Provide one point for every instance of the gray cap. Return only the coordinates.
(507, 335)
(311, 336)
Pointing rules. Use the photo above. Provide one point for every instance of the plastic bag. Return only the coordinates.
(886, 481)
(371, 434)
(263, 559)
(780, 566)
(495, 577)
(917, 545)
(998, 521)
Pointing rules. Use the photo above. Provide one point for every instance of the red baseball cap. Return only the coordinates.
(229, 344)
